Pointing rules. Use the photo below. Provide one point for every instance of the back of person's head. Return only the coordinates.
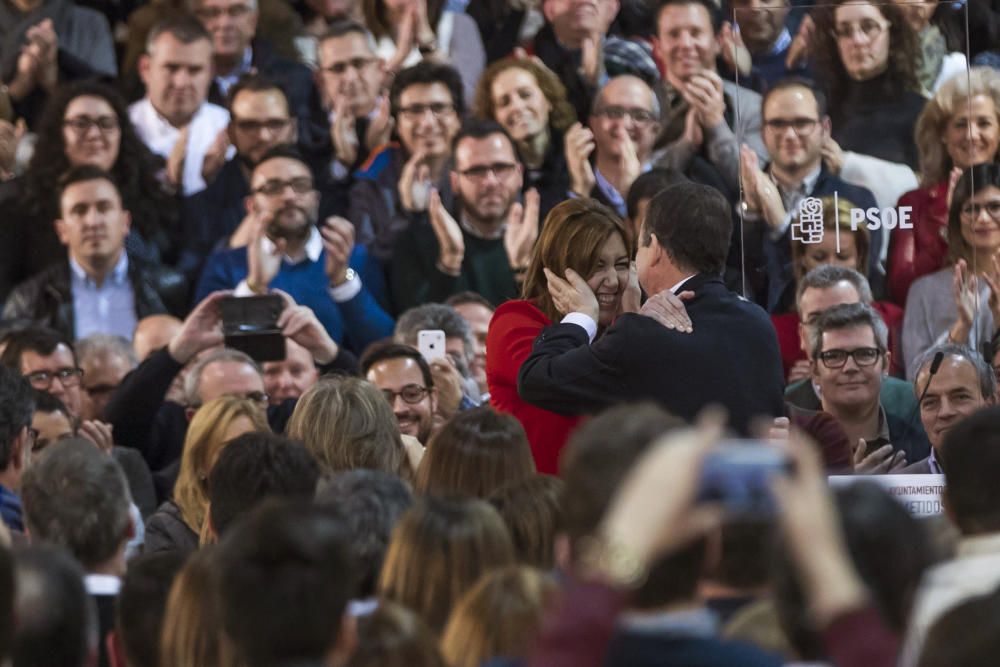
(531, 508)
(742, 561)
(192, 633)
(371, 502)
(500, 616)
(105, 346)
(17, 405)
(76, 497)
(256, 466)
(205, 440)
(428, 72)
(347, 424)
(968, 634)
(596, 460)
(394, 636)
(649, 184)
(286, 578)
(572, 237)
(693, 224)
(40, 340)
(474, 454)
(890, 550)
(142, 604)
(438, 550)
(56, 621)
(970, 458)
(828, 275)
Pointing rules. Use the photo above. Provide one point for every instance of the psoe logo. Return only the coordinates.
(807, 224)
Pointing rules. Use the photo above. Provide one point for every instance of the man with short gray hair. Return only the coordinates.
(952, 382)
(849, 361)
(458, 341)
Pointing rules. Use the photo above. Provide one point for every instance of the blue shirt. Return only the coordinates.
(357, 322)
(105, 309)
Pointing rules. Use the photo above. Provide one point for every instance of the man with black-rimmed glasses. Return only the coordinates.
(849, 362)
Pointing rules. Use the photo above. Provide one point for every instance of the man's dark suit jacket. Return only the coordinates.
(731, 359)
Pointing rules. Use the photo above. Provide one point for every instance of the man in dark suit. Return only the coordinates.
(962, 384)
(731, 358)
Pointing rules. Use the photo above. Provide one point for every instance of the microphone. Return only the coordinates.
(935, 367)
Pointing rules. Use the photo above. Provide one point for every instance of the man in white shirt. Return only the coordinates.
(174, 119)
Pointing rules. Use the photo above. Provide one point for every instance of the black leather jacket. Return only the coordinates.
(47, 298)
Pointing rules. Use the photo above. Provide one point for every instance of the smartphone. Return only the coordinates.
(250, 325)
(430, 342)
(737, 474)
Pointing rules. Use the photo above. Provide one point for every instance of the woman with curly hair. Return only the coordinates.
(84, 123)
(866, 56)
(959, 128)
(527, 99)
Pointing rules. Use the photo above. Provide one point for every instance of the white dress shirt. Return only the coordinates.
(160, 136)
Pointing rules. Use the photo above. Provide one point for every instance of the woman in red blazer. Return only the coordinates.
(959, 128)
(578, 234)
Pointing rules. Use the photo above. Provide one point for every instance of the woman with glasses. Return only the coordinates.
(959, 128)
(84, 124)
(528, 100)
(180, 524)
(579, 235)
(866, 57)
(406, 31)
(961, 302)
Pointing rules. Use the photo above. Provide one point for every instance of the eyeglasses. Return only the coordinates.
(274, 187)
(863, 356)
(82, 124)
(416, 111)
(355, 63)
(972, 211)
(870, 28)
(411, 394)
(256, 397)
(802, 127)
(638, 116)
(212, 13)
(501, 170)
(250, 126)
(42, 380)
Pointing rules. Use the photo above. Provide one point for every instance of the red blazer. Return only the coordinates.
(513, 330)
(924, 249)
(786, 326)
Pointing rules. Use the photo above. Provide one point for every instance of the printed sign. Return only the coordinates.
(920, 494)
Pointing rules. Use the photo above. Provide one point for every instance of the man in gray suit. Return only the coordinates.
(949, 391)
(704, 119)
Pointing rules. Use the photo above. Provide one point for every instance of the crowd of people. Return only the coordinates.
(348, 333)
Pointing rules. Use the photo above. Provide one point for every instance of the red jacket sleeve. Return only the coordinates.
(861, 639)
(578, 629)
(923, 249)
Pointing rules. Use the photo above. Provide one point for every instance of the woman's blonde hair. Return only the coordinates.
(572, 236)
(836, 213)
(202, 445)
(438, 551)
(347, 424)
(562, 114)
(952, 97)
(500, 617)
(192, 633)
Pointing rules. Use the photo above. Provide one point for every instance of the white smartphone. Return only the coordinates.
(430, 342)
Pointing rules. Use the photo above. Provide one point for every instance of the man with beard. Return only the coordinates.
(320, 268)
(405, 378)
(486, 245)
(259, 120)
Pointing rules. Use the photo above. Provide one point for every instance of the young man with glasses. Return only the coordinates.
(98, 288)
(484, 243)
(404, 377)
(796, 131)
(391, 190)
(318, 266)
(237, 51)
(850, 361)
(624, 123)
